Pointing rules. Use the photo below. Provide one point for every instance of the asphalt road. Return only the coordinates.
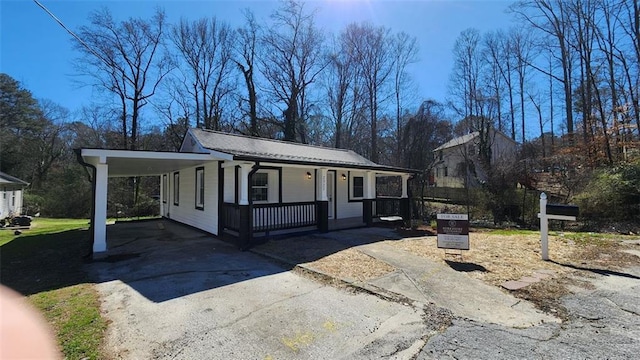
(604, 323)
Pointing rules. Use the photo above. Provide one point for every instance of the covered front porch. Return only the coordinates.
(306, 199)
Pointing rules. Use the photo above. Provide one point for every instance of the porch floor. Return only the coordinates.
(346, 223)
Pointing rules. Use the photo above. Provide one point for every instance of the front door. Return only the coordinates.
(331, 176)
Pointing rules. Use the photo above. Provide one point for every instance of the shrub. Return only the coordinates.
(612, 193)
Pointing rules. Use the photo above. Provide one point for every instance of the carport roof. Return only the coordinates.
(145, 163)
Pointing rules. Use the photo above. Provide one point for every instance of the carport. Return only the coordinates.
(128, 163)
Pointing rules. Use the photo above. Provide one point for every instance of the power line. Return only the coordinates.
(54, 17)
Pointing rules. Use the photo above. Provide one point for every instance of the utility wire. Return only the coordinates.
(54, 17)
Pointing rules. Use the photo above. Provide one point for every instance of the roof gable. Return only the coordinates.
(8, 179)
(464, 139)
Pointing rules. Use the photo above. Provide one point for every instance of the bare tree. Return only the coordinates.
(465, 81)
(245, 59)
(339, 80)
(206, 48)
(372, 49)
(521, 47)
(629, 18)
(292, 59)
(405, 53)
(496, 76)
(553, 18)
(125, 59)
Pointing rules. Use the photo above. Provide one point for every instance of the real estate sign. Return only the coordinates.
(453, 231)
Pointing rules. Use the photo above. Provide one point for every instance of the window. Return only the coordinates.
(13, 198)
(176, 188)
(446, 171)
(440, 155)
(165, 188)
(358, 187)
(260, 187)
(4, 192)
(200, 188)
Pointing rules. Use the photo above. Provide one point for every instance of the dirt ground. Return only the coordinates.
(495, 256)
(327, 256)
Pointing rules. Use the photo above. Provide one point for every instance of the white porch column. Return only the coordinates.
(100, 211)
(370, 185)
(323, 194)
(405, 193)
(162, 190)
(245, 169)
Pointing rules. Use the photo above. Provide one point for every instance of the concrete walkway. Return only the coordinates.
(423, 280)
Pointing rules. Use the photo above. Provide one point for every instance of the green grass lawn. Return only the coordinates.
(45, 263)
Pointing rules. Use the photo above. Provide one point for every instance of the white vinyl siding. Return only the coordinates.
(346, 208)
(296, 186)
(229, 184)
(186, 212)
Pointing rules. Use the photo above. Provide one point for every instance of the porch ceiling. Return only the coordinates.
(122, 163)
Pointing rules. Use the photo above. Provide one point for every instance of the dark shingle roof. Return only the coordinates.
(241, 146)
(8, 179)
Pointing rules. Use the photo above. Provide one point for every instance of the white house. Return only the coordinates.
(450, 168)
(11, 198)
(246, 188)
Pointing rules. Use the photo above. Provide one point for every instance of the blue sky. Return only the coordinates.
(38, 52)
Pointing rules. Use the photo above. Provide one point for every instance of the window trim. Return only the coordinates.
(361, 187)
(176, 188)
(252, 187)
(199, 188)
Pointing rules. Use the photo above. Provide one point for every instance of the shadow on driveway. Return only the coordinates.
(163, 260)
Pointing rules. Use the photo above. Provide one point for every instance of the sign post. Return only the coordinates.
(453, 231)
(553, 212)
(544, 227)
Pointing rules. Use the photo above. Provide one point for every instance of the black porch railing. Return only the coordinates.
(387, 207)
(231, 216)
(271, 217)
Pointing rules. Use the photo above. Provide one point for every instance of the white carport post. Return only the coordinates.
(100, 211)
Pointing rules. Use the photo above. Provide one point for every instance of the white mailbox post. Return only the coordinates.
(553, 212)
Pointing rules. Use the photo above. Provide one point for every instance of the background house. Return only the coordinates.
(457, 162)
(11, 189)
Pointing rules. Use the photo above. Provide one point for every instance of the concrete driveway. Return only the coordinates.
(171, 292)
